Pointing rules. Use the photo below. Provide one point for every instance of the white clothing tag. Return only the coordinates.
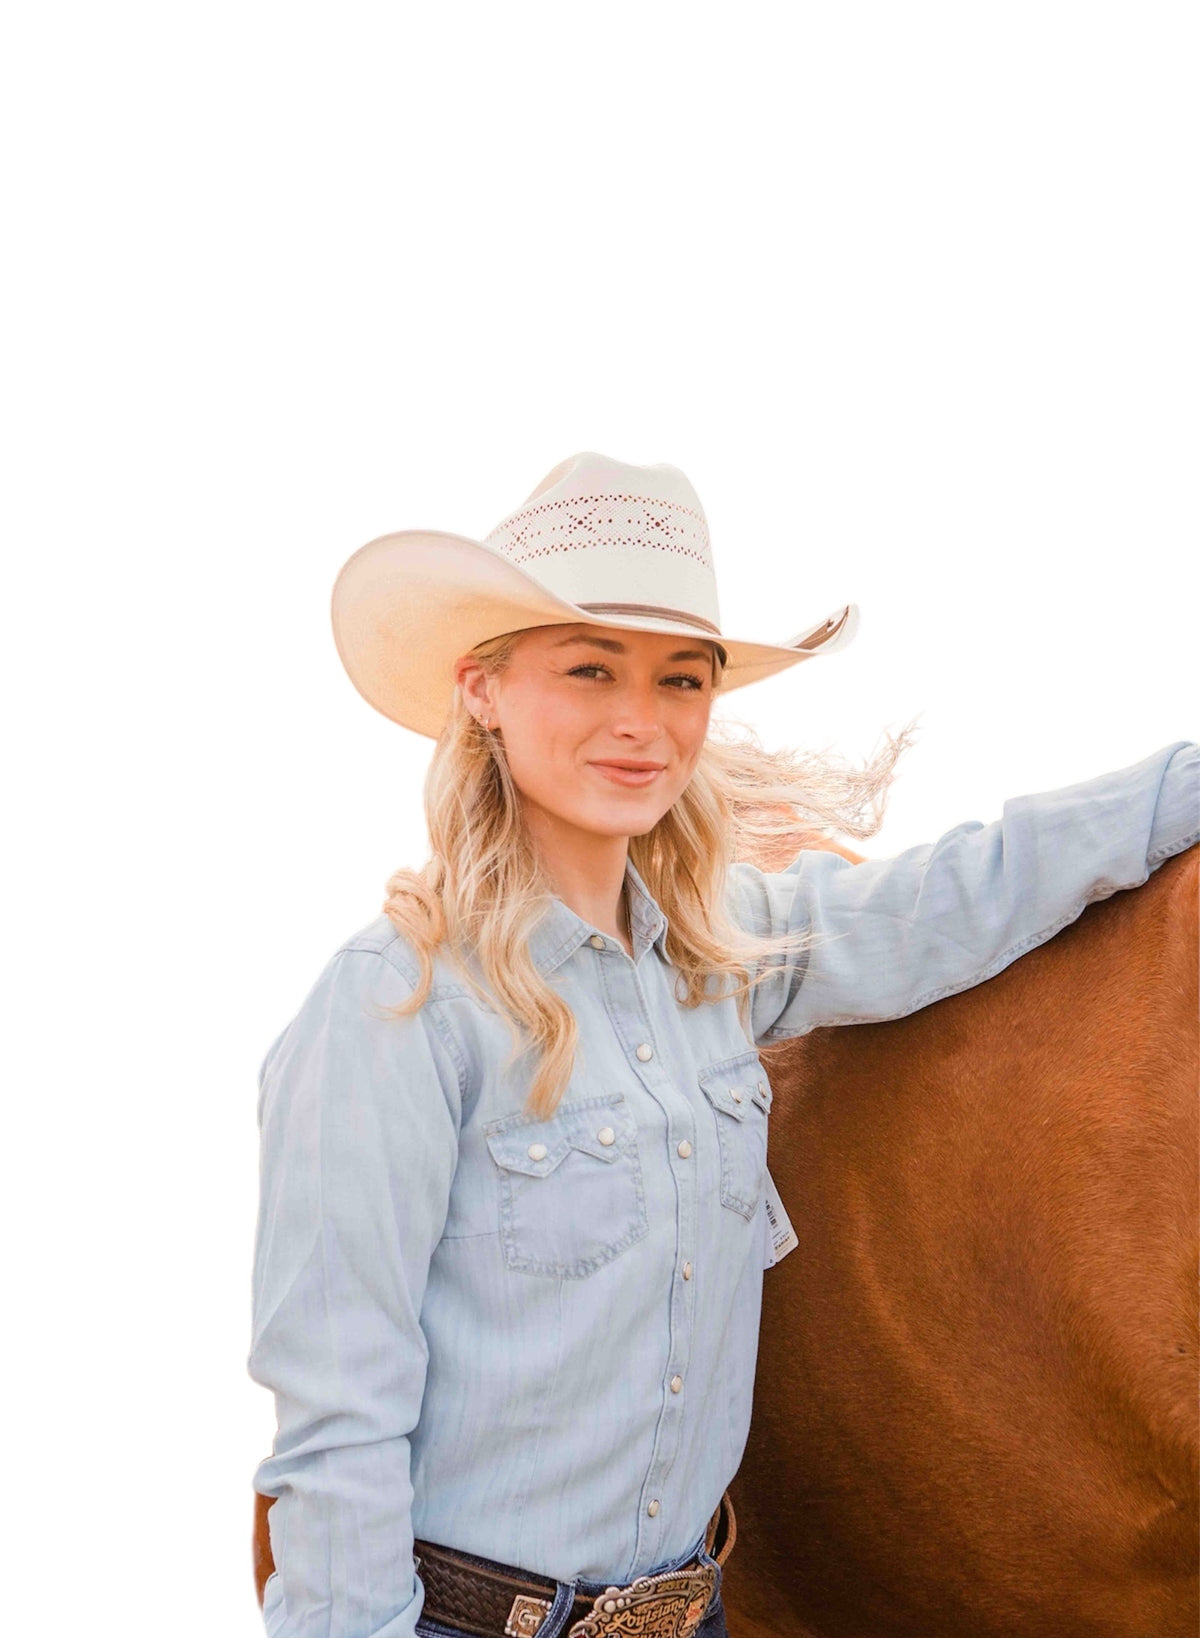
(781, 1236)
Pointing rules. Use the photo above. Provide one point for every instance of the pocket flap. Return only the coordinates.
(573, 1126)
(591, 1144)
(734, 1084)
(510, 1148)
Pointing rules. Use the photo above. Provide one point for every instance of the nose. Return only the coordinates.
(637, 713)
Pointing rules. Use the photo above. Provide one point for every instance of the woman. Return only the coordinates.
(513, 1221)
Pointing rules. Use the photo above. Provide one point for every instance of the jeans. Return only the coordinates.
(556, 1623)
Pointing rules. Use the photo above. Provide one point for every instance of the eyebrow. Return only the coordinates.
(611, 644)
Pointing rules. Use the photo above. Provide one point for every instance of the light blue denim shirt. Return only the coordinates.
(536, 1340)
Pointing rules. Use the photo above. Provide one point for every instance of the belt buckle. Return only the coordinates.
(670, 1604)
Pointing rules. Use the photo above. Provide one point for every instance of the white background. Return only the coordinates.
(907, 290)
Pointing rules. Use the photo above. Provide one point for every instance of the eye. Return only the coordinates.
(693, 682)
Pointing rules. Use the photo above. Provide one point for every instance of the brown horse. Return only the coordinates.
(976, 1395)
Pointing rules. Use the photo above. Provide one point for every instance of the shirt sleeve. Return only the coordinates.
(359, 1118)
(896, 934)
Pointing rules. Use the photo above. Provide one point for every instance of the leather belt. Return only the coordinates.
(494, 1601)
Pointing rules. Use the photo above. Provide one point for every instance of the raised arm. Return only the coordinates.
(359, 1119)
(899, 933)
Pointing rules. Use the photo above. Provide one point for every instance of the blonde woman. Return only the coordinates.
(512, 1224)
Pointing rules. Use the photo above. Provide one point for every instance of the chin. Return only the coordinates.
(634, 821)
(621, 819)
(613, 825)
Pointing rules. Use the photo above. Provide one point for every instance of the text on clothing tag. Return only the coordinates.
(781, 1235)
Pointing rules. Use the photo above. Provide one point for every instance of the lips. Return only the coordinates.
(635, 764)
(629, 773)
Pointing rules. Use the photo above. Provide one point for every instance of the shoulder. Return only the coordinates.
(380, 939)
(377, 967)
(345, 1032)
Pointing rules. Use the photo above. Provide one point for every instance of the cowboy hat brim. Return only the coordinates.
(406, 605)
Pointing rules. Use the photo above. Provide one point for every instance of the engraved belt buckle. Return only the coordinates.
(668, 1605)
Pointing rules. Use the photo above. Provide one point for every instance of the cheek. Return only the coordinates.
(557, 716)
(541, 740)
(693, 733)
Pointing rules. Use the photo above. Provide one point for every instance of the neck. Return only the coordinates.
(587, 872)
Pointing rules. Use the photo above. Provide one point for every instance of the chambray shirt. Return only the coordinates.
(536, 1340)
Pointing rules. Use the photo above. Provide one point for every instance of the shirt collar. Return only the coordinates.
(560, 932)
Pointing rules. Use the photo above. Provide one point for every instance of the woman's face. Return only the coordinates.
(602, 727)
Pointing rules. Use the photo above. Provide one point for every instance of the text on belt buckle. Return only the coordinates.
(668, 1605)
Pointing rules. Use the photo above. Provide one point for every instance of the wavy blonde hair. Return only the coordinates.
(482, 889)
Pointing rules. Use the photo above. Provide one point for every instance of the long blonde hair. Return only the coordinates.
(482, 889)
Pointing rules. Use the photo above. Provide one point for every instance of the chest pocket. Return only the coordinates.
(571, 1190)
(740, 1095)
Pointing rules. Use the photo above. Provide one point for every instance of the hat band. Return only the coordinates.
(651, 611)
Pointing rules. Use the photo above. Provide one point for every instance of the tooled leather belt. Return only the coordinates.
(493, 1603)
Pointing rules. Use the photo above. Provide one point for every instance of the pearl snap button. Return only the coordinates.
(735, 1094)
(645, 1051)
(537, 1151)
(684, 1148)
(687, 1271)
(596, 942)
(653, 1509)
(676, 1384)
(606, 1134)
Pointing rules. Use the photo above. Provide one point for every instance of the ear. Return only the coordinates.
(472, 679)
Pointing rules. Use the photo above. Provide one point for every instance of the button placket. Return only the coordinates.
(629, 1015)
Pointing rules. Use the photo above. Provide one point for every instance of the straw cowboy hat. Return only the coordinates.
(598, 542)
